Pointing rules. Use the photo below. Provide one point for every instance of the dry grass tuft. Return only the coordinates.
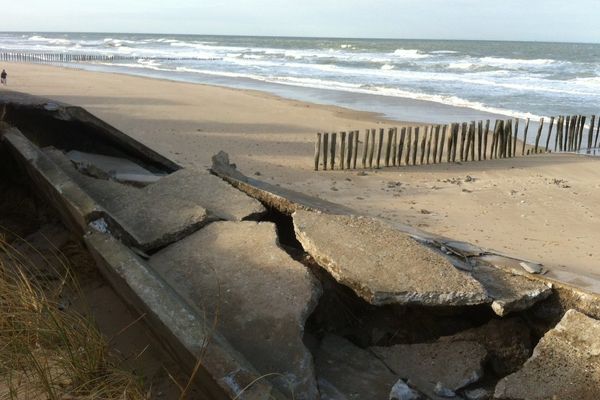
(47, 352)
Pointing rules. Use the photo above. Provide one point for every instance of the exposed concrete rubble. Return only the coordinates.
(107, 167)
(392, 294)
(510, 292)
(565, 364)
(258, 297)
(435, 368)
(382, 265)
(345, 371)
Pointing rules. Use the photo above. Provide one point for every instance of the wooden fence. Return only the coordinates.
(38, 57)
(433, 144)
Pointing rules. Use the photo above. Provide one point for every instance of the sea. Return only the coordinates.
(411, 80)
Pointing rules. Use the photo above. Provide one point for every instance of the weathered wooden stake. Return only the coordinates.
(388, 147)
(342, 150)
(415, 145)
(549, 133)
(494, 140)
(380, 147)
(442, 141)
(436, 140)
(408, 145)
(525, 137)
(591, 132)
(486, 131)
(317, 151)
(559, 135)
(372, 150)
(333, 150)
(539, 134)
(365, 149)
(325, 150)
(479, 139)
(567, 133)
(350, 150)
(508, 135)
(401, 145)
(394, 146)
(455, 133)
(355, 156)
(597, 132)
(463, 137)
(581, 127)
(515, 137)
(423, 140)
(429, 137)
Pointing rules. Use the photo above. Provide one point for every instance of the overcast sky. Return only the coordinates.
(542, 20)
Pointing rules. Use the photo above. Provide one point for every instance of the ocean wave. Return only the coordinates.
(443, 52)
(411, 53)
(499, 61)
(387, 67)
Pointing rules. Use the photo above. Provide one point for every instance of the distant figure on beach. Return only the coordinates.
(3, 76)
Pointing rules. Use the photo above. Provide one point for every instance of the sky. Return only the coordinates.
(536, 20)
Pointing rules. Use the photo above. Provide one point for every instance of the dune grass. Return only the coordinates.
(47, 352)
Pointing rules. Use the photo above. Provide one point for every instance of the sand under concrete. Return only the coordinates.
(541, 207)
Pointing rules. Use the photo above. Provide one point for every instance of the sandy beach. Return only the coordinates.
(541, 208)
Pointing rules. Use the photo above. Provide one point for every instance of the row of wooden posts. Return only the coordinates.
(60, 57)
(418, 145)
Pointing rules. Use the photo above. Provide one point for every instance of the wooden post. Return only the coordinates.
(525, 137)
(394, 146)
(500, 140)
(549, 133)
(455, 133)
(365, 149)
(485, 137)
(350, 150)
(355, 156)
(429, 137)
(401, 145)
(325, 148)
(463, 137)
(436, 140)
(566, 132)
(333, 149)
(442, 141)
(494, 140)
(479, 139)
(581, 127)
(473, 130)
(388, 146)
(597, 132)
(415, 145)
(372, 151)
(408, 144)
(576, 131)
(508, 138)
(591, 132)
(559, 134)
(317, 151)
(468, 143)
(423, 140)
(380, 146)
(539, 134)
(515, 137)
(342, 150)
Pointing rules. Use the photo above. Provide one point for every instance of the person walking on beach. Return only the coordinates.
(3, 76)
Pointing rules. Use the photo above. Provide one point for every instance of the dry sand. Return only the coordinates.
(541, 208)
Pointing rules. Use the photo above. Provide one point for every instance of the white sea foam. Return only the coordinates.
(387, 67)
(411, 53)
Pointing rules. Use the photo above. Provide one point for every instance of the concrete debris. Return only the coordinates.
(105, 167)
(256, 294)
(532, 268)
(401, 391)
(510, 292)
(565, 364)
(348, 372)
(383, 265)
(435, 369)
(507, 341)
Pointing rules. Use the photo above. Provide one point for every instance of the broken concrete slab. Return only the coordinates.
(565, 364)
(224, 373)
(348, 372)
(510, 292)
(383, 265)
(284, 200)
(146, 221)
(435, 368)
(507, 341)
(219, 198)
(119, 169)
(258, 296)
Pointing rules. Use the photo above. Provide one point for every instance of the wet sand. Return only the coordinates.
(541, 208)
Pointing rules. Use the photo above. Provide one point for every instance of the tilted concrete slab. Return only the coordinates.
(383, 265)
(224, 373)
(258, 296)
(219, 198)
(565, 364)
(510, 292)
(120, 169)
(449, 366)
(146, 221)
(347, 372)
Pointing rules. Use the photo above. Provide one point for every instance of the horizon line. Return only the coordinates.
(302, 37)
